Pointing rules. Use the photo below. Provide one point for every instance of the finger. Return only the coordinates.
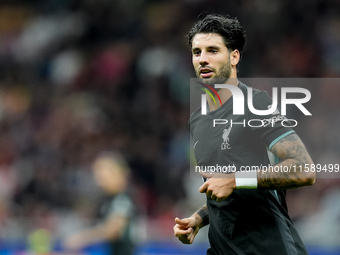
(213, 197)
(191, 237)
(220, 199)
(178, 227)
(182, 232)
(185, 221)
(203, 188)
(215, 175)
(179, 232)
(184, 239)
(206, 174)
(191, 233)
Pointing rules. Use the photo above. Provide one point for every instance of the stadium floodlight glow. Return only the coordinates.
(238, 100)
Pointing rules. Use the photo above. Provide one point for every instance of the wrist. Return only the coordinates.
(198, 220)
(246, 180)
(234, 182)
(202, 217)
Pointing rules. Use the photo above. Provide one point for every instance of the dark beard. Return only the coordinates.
(220, 78)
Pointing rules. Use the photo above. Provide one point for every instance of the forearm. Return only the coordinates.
(288, 174)
(202, 216)
(96, 235)
(111, 229)
(92, 236)
(291, 172)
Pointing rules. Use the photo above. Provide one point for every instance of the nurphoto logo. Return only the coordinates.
(239, 105)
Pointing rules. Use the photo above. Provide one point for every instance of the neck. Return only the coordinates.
(224, 94)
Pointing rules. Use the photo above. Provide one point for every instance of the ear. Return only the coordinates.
(234, 57)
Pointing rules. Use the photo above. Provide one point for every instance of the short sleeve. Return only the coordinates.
(122, 205)
(271, 128)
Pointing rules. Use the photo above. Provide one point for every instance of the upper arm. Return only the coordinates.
(292, 153)
(293, 170)
(120, 213)
(292, 147)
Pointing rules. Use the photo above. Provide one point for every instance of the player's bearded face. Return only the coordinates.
(211, 58)
(220, 76)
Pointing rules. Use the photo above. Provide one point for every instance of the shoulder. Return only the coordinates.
(195, 114)
(122, 203)
(194, 117)
(122, 199)
(260, 98)
(256, 93)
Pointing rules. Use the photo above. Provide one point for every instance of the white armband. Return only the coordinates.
(246, 180)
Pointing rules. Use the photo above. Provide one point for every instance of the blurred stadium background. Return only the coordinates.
(81, 76)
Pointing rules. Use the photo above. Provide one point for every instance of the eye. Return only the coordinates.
(213, 50)
(196, 52)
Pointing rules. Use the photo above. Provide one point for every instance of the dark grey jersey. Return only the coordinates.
(121, 205)
(249, 221)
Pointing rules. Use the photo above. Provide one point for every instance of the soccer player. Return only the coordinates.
(111, 173)
(245, 215)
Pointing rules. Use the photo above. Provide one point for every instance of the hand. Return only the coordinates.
(73, 242)
(186, 229)
(219, 186)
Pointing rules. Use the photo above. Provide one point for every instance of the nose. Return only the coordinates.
(204, 59)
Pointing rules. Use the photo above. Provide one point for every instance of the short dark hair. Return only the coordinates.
(230, 29)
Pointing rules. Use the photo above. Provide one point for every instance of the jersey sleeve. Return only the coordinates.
(121, 205)
(271, 128)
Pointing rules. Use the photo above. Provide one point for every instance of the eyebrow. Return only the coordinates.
(209, 47)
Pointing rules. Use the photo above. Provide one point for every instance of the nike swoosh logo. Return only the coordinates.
(196, 143)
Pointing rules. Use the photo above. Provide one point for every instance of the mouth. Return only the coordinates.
(206, 72)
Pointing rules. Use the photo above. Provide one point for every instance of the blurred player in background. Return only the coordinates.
(245, 215)
(111, 172)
